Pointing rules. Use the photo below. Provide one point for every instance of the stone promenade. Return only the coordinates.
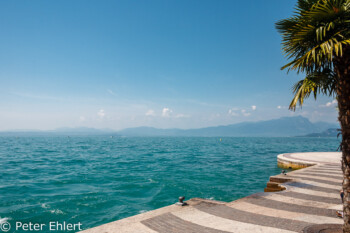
(311, 196)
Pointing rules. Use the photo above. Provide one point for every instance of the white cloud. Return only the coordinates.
(101, 113)
(245, 113)
(150, 113)
(330, 104)
(279, 106)
(166, 112)
(232, 112)
(82, 118)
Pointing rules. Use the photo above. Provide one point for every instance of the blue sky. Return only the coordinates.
(118, 64)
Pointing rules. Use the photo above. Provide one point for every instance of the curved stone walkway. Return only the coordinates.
(311, 197)
(306, 159)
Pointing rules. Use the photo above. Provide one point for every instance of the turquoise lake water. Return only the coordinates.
(96, 180)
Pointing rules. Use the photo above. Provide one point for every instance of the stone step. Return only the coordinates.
(274, 187)
(279, 179)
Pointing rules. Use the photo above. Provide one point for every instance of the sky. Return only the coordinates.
(166, 64)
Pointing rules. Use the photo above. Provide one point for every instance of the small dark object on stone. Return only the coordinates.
(340, 214)
(181, 201)
(342, 196)
(284, 172)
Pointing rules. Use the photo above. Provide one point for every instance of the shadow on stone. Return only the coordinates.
(323, 228)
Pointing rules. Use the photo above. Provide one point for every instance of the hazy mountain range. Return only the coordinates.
(282, 127)
(327, 133)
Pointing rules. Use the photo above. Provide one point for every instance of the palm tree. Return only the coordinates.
(316, 41)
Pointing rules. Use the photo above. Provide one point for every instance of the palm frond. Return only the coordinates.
(319, 82)
(315, 34)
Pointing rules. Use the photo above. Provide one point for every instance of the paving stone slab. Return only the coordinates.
(312, 187)
(261, 201)
(315, 180)
(309, 197)
(169, 223)
(247, 217)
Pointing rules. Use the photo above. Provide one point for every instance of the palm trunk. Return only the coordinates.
(342, 69)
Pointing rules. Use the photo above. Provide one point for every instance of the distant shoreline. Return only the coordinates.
(282, 127)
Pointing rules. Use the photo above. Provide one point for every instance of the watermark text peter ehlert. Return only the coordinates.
(51, 226)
